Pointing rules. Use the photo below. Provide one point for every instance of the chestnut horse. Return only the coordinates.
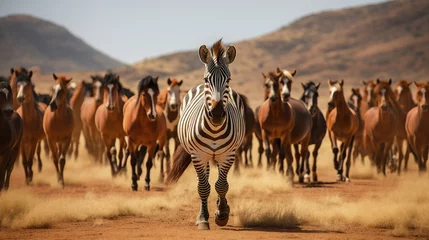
(82, 90)
(277, 117)
(380, 125)
(318, 130)
(89, 107)
(246, 145)
(404, 97)
(145, 126)
(32, 118)
(11, 128)
(108, 120)
(417, 126)
(342, 123)
(169, 100)
(355, 103)
(58, 124)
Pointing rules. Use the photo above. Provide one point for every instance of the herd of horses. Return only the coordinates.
(374, 124)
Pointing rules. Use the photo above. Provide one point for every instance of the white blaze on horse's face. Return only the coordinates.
(152, 102)
(21, 89)
(286, 90)
(173, 97)
(309, 99)
(333, 90)
(270, 84)
(383, 94)
(423, 91)
(97, 85)
(369, 93)
(399, 89)
(110, 88)
(7, 107)
(355, 100)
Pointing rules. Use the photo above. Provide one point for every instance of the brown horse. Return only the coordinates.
(404, 97)
(108, 120)
(32, 118)
(417, 127)
(380, 125)
(145, 126)
(318, 130)
(277, 117)
(169, 100)
(82, 90)
(11, 128)
(342, 123)
(355, 103)
(58, 124)
(89, 108)
(246, 145)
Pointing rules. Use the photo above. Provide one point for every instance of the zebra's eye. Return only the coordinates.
(206, 80)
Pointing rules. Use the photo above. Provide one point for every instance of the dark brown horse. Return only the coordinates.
(342, 123)
(417, 126)
(380, 125)
(109, 119)
(58, 125)
(355, 103)
(169, 100)
(11, 128)
(404, 97)
(88, 109)
(145, 126)
(32, 118)
(318, 130)
(82, 90)
(278, 117)
(246, 145)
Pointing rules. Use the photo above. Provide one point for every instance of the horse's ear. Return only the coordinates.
(30, 74)
(263, 74)
(180, 82)
(68, 80)
(330, 82)
(92, 77)
(278, 70)
(364, 82)
(156, 79)
(409, 83)
(342, 82)
(317, 86)
(12, 71)
(293, 73)
(55, 76)
(117, 78)
(303, 86)
(204, 54)
(169, 81)
(415, 83)
(390, 81)
(378, 80)
(231, 52)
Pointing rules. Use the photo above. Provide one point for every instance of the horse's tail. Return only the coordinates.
(181, 161)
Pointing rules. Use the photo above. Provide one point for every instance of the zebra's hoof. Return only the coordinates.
(203, 226)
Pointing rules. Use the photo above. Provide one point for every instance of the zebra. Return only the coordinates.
(211, 127)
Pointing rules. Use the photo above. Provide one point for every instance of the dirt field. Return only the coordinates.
(263, 205)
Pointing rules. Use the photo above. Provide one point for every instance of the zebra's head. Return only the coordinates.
(217, 77)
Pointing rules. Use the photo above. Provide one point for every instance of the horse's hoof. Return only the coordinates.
(147, 187)
(221, 222)
(301, 179)
(40, 168)
(203, 226)
(348, 179)
(134, 187)
(315, 179)
(339, 177)
(307, 178)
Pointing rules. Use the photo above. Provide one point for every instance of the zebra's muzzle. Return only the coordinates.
(217, 114)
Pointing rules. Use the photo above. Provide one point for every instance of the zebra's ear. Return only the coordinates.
(204, 54)
(231, 52)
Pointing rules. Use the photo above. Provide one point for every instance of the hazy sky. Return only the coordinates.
(131, 30)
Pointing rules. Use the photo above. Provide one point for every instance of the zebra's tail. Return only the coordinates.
(181, 160)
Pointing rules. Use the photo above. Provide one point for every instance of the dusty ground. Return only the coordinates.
(93, 206)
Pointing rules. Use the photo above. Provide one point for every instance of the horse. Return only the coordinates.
(278, 117)
(32, 118)
(109, 119)
(11, 128)
(81, 91)
(318, 129)
(246, 145)
(404, 97)
(417, 128)
(87, 116)
(355, 103)
(58, 123)
(169, 100)
(380, 125)
(145, 126)
(342, 123)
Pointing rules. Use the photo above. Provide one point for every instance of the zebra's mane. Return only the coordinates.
(218, 51)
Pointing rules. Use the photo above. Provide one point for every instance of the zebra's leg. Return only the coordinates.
(222, 186)
(203, 171)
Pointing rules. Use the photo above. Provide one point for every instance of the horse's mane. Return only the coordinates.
(127, 92)
(4, 84)
(217, 51)
(307, 86)
(5, 79)
(245, 100)
(110, 78)
(147, 82)
(391, 98)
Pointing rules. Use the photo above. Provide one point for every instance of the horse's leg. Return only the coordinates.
(400, 154)
(249, 151)
(13, 159)
(151, 155)
(334, 148)
(122, 152)
(39, 160)
(425, 158)
(267, 148)
(289, 159)
(167, 156)
(134, 185)
(406, 157)
(237, 161)
(260, 152)
(46, 147)
(297, 161)
(140, 159)
(54, 150)
(315, 154)
(349, 160)
(70, 151)
(343, 153)
(76, 146)
(110, 150)
(356, 151)
(30, 158)
(222, 186)
(305, 168)
(203, 171)
(64, 148)
(379, 156)
(277, 155)
(24, 162)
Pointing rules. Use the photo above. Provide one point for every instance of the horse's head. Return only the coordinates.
(217, 77)
(423, 95)
(112, 90)
(148, 95)
(272, 86)
(173, 94)
(285, 81)
(356, 97)
(368, 93)
(6, 98)
(310, 96)
(23, 85)
(402, 89)
(97, 87)
(60, 93)
(336, 92)
(382, 90)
